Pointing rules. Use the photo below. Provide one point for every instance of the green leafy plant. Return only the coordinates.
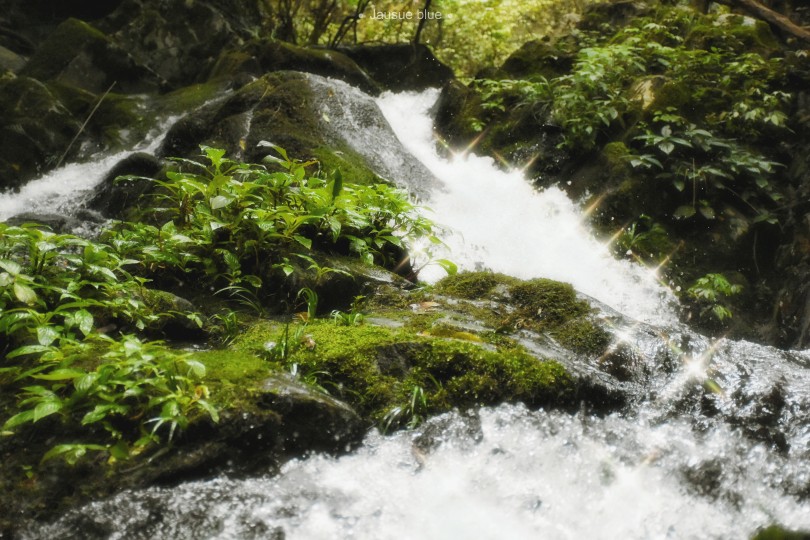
(238, 227)
(710, 291)
(353, 318)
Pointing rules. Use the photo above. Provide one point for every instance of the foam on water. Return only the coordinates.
(507, 473)
(498, 221)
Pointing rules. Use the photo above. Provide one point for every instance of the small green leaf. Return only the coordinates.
(666, 147)
(60, 375)
(196, 368)
(19, 419)
(25, 294)
(46, 408)
(304, 241)
(47, 335)
(220, 201)
(11, 267)
(84, 320)
(85, 382)
(337, 186)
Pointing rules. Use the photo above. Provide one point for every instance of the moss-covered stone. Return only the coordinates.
(36, 128)
(614, 156)
(548, 302)
(376, 368)
(583, 336)
(472, 285)
(539, 57)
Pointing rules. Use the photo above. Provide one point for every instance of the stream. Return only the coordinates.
(676, 465)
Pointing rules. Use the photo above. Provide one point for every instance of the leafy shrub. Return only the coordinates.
(237, 227)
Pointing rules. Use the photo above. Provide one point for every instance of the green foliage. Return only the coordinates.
(56, 290)
(353, 318)
(705, 166)
(240, 228)
(646, 239)
(710, 291)
(132, 379)
(68, 306)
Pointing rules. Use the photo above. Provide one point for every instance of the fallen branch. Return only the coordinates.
(773, 17)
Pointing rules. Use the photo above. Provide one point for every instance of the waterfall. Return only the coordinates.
(660, 470)
(498, 221)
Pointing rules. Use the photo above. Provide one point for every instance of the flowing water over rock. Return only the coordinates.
(62, 190)
(713, 444)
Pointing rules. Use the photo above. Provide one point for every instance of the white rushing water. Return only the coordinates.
(511, 474)
(63, 189)
(500, 222)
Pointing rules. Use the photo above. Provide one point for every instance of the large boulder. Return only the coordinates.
(310, 117)
(400, 66)
(113, 196)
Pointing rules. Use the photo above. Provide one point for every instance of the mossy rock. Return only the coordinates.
(735, 32)
(548, 302)
(775, 532)
(614, 156)
(178, 40)
(376, 369)
(473, 285)
(583, 336)
(400, 66)
(458, 111)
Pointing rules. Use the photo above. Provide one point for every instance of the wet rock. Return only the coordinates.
(400, 66)
(174, 315)
(457, 110)
(112, 197)
(59, 223)
(310, 117)
(310, 420)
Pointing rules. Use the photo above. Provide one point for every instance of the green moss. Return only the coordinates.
(583, 336)
(376, 368)
(351, 165)
(547, 302)
(189, 97)
(233, 376)
(614, 155)
(472, 285)
(775, 532)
